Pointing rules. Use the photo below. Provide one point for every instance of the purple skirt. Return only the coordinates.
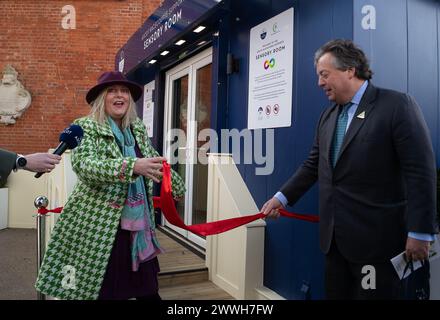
(120, 282)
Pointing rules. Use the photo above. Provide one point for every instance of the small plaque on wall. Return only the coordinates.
(148, 114)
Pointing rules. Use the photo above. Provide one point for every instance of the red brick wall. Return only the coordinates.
(58, 66)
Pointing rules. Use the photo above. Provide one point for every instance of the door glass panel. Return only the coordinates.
(179, 121)
(200, 168)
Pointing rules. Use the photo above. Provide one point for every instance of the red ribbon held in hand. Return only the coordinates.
(166, 204)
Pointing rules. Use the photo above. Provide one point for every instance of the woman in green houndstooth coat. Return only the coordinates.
(103, 245)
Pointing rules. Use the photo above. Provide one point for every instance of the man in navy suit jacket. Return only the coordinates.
(378, 197)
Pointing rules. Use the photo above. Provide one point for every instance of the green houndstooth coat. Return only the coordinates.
(82, 239)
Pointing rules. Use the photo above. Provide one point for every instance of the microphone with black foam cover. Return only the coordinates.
(70, 138)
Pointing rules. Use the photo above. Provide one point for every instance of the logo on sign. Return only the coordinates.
(263, 34)
(276, 109)
(260, 113)
(268, 109)
(269, 63)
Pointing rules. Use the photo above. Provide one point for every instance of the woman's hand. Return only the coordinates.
(149, 167)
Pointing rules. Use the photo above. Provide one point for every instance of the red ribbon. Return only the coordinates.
(45, 211)
(166, 204)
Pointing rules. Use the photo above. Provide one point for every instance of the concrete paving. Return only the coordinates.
(18, 266)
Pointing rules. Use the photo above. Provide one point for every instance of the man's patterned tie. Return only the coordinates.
(341, 126)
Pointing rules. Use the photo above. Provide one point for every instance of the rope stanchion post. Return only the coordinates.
(41, 202)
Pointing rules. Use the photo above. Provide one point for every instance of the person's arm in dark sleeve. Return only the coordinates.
(7, 163)
(301, 181)
(416, 157)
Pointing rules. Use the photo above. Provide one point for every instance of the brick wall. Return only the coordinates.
(57, 65)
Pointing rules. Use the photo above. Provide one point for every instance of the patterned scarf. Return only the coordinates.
(136, 215)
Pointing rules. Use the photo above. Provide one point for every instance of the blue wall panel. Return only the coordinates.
(292, 255)
(403, 50)
(438, 82)
(386, 46)
(246, 14)
(423, 82)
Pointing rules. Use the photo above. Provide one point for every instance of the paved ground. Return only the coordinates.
(18, 267)
(18, 270)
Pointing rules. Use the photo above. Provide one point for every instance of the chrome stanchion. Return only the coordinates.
(41, 202)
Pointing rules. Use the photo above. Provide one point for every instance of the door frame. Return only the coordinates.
(188, 67)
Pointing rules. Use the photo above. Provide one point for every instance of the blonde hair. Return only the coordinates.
(98, 113)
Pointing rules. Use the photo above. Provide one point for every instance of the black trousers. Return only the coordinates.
(361, 281)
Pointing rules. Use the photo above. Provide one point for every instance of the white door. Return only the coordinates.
(188, 109)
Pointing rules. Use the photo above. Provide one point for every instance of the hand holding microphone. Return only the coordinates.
(70, 138)
(41, 162)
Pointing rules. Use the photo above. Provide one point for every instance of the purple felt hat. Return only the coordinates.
(110, 78)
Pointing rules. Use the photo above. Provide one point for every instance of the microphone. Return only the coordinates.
(70, 138)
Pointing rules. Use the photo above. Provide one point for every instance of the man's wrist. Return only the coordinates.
(281, 198)
(421, 236)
